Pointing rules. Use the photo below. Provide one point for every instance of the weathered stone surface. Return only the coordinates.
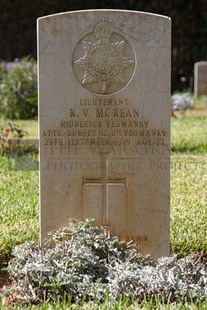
(200, 78)
(104, 109)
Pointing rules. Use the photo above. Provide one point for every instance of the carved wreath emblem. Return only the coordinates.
(104, 62)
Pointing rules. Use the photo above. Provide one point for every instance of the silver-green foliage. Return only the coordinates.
(170, 279)
(83, 261)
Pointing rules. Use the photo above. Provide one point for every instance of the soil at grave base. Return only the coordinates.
(5, 279)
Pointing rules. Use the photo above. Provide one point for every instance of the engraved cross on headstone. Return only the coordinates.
(104, 181)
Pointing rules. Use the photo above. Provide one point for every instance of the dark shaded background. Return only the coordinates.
(189, 33)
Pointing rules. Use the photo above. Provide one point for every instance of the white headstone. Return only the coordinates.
(104, 109)
(200, 78)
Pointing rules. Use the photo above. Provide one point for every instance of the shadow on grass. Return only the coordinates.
(194, 149)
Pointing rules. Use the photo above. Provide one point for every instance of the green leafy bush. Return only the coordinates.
(18, 89)
(88, 262)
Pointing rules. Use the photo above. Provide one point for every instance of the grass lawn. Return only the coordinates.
(19, 200)
(188, 181)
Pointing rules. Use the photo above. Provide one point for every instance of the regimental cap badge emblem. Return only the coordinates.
(108, 62)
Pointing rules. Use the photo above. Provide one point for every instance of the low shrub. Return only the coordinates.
(10, 131)
(18, 89)
(87, 262)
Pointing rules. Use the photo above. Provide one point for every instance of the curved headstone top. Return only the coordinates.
(200, 78)
(104, 109)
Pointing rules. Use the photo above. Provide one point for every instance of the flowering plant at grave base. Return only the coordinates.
(86, 262)
(18, 89)
(10, 131)
(182, 101)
